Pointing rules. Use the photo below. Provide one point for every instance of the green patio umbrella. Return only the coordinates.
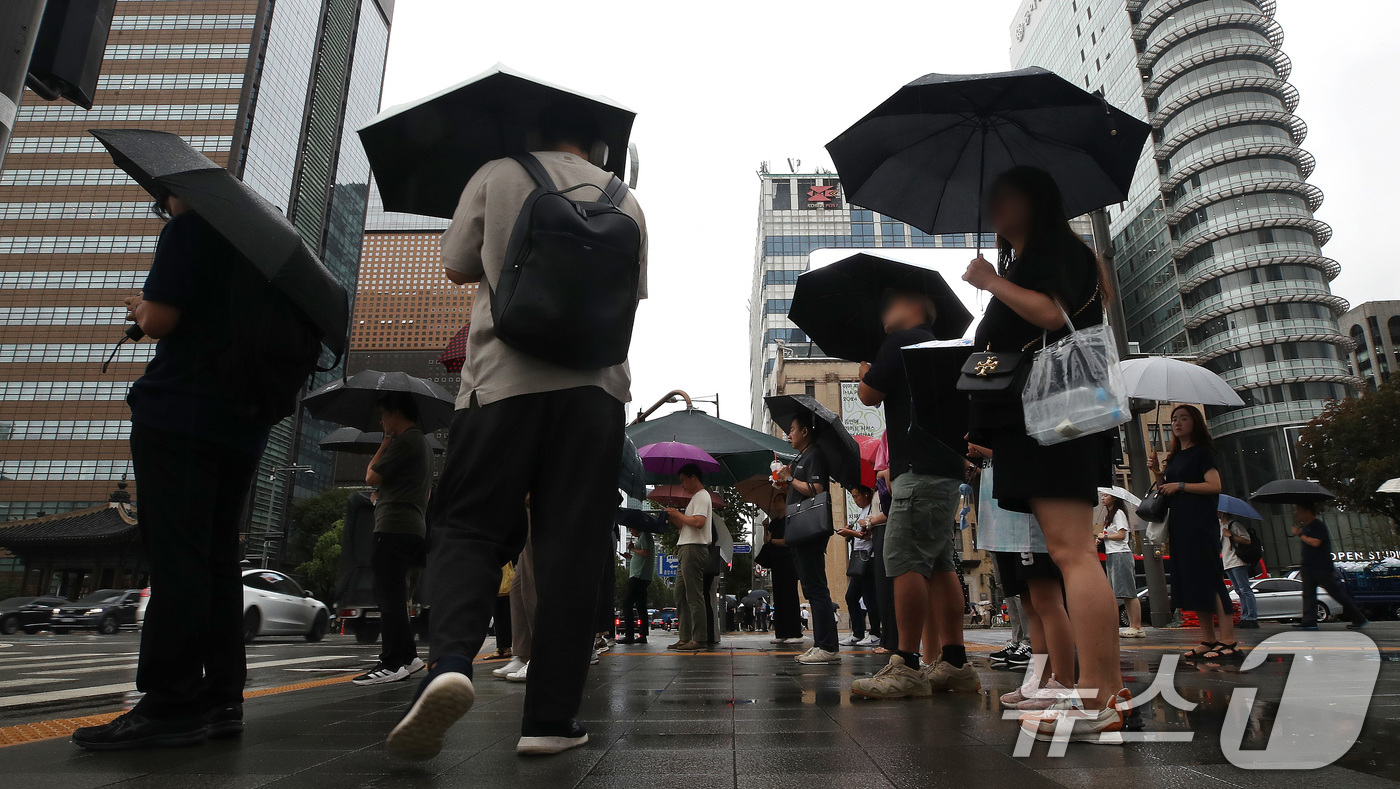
(741, 451)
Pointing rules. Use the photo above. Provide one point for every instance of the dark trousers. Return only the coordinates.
(634, 607)
(884, 592)
(711, 593)
(607, 588)
(787, 613)
(863, 588)
(810, 561)
(393, 557)
(1331, 584)
(192, 494)
(500, 622)
(562, 449)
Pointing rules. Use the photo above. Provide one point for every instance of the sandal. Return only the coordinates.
(1195, 652)
(1223, 650)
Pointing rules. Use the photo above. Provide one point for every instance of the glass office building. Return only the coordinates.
(271, 88)
(1219, 255)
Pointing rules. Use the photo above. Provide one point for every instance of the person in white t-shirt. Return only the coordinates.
(693, 550)
(862, 587)
(1119, 555)
(1233, 533)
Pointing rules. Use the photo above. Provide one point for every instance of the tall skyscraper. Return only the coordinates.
(799, 213)
(273, 89)
(1218, 252)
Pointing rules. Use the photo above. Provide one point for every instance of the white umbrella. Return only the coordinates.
(1390, 486)
(1121, 493)
(1172, 380)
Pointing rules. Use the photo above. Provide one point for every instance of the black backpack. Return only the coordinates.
(568, 291)
(1250, 554)
(272, 351)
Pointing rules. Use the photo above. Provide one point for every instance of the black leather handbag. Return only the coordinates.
(857, 564)
(995, 376)
(1154, 507)
(716, 565)
(809, 521)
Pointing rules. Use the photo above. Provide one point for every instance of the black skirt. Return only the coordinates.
(1026, 470)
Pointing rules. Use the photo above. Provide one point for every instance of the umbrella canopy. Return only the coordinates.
(1122, 494)
(160, 160)
(840, 306)
(358, 442)
(1292, 491)
(837, 446)
(455, 354)
(756, 596)
(759, 491)
(928, 153)
(669, 457)
(742, 452)
(1175, 381)
(424, 152)
(869, 448)
(631, 477)
(654, 521)
(1233, 506)
(1390, 486)
(354, 402)
(675, 496)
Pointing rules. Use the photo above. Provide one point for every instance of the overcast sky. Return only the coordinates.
(720, 87)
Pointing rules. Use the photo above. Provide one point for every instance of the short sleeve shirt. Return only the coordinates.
(700, 504)
(810, 467)
(1118, 524)
(907, 451)
(1318, 561)
(1228, 557)
(406, 469)
(642, 566)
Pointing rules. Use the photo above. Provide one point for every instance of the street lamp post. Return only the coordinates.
(271, 503)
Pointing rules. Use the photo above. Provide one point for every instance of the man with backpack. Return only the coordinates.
(1240, 552)
(196, 437)
(559, 248)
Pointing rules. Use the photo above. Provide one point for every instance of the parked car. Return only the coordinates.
(1282, 598)
(106, 611)
(141, 606)
(665, 619)
(274, 604)
(30, 614)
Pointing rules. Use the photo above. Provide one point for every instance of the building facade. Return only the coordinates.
(1375, 328)
(1218, 252)
(273, 89)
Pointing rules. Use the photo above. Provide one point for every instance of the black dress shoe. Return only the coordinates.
(225, 721)
(134, 730)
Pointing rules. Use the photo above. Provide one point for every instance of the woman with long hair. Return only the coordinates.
(1044, 268)
(1118, 555)
(1192, 481)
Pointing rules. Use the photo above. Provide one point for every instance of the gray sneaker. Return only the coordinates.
(942, 676)
(895, 681)
(816, 656)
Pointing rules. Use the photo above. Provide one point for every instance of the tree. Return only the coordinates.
(312, 517)
(1353, 446)
(322, 571)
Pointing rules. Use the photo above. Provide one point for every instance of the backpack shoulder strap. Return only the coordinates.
(616, 191)
(535, 169)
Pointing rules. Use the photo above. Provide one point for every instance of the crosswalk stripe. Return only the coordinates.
(84, 670)
(18, 683)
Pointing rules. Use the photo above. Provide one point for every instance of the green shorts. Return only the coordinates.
(919, 534)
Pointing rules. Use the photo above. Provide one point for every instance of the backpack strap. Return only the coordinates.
(535, 169)
(616, 191)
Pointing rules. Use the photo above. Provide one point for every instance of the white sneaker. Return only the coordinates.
(379, 675)
(1046, 697)
(816, 656)
(513, 666)
(520, 675)
(1131, 632)
(444, 700)
(1028, 688)
(1103, 727)
(788, 641)
(593, 661)
(850, 641)
(546, 745)
(416, 665)
(869, 641)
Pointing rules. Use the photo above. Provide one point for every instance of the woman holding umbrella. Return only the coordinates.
(1042, 262)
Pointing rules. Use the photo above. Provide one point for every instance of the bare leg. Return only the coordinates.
(1047, 595)
(1093, 612)
(1207, 620)
(1037, 634)
(932, 641)
(1134, 608)
(1225, 619)
(945, 605)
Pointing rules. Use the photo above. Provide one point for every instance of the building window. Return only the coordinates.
(782, 195)
(777, 306)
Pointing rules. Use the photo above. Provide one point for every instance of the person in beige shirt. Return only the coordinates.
(523, 426)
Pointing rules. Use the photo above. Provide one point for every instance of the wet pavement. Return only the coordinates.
(746, 717)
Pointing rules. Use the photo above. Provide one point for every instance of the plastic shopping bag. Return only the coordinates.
(1003, 530)
(1075, 387)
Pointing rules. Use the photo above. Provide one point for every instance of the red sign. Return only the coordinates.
(821, 193)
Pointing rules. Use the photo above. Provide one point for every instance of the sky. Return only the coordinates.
(720, 87)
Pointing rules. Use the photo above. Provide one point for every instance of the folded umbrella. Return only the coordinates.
(455, 354)
(358, 442)
(1122, 494)
(424, 152)
(840, 306)
(1175, 381)
(1233, 506)
(837, 446)
(1292, 491)
(928, 153)
(160, 160)
(354, 401)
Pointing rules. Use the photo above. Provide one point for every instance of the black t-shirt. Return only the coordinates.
(908, 451)
(180, 390)
(1318, 561)
(810, 467)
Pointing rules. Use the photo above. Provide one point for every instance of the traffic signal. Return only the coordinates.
(68, 53)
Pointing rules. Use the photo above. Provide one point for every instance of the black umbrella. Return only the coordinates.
(631, 477)
(359, 442)
(253, 226)
(424, 152)
(742, 452)
(754, 597)
(927, 154)
(354, 401)
(838, 447)
(839, 306)
(654, 521)
(1292, 491)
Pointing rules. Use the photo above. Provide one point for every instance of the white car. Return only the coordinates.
(1282, 598)
(275, 605)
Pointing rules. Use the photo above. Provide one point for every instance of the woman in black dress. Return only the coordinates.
(1041, 262)
(1192, 481)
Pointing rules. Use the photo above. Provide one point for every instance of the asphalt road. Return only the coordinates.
(47, 676)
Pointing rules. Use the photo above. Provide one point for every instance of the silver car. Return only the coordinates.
(274, 604)
(1282, 598)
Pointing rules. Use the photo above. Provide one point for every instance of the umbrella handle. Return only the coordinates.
(981, 174)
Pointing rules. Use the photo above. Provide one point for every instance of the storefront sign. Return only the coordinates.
(858, 418)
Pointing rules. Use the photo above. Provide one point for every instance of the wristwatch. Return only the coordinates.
(1180, 487)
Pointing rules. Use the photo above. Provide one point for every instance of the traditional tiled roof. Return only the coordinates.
(107, 523)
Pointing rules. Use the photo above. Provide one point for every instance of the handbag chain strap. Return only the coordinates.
(1043, 335)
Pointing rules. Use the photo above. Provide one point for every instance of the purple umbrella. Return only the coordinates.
(668, 457)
